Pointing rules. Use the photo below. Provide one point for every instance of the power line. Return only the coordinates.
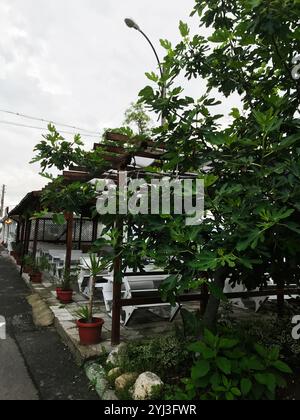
(19, 114)
(43, 128)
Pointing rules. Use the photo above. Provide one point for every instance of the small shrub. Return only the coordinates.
(227, 369)
(165, 356)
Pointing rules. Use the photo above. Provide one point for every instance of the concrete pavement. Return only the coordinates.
(34, 363)
(15, 382)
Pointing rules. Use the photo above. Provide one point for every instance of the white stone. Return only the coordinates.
(109, 396)
(113, 374)
(125, 381)
(97, 375)
(113, 357)
(143, 388)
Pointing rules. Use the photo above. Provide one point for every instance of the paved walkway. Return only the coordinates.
(34, 364)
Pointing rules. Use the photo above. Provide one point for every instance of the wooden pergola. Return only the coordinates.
(118, 154)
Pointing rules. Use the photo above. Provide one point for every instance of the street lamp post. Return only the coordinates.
(133, 25)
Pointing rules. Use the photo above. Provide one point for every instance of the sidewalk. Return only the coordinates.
(34, 363)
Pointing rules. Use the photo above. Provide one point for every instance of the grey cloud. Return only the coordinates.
(74, 61)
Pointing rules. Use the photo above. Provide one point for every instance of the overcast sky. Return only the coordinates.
(73, 61)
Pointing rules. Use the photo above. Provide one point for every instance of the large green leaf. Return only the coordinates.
(184, 29)
(282, 367)
(224, 365)
(246, 386)
(200, 370)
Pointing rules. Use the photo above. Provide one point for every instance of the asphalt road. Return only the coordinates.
(34, 363)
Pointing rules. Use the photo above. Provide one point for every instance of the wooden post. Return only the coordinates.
(80, 232)
(204, 299)
(70, 221)
(23, 232)
(35, 238)
(18, 232)
(95, 229)
(26, 242)
(280, 298)
(117, 288)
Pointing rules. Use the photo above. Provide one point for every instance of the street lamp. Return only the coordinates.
(133, 25)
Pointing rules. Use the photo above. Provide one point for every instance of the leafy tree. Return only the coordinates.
(251, 166)
(138, 116)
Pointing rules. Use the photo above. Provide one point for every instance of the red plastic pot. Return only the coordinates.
(65, 296)
(90, 334)
(58, 290)
(36, 277)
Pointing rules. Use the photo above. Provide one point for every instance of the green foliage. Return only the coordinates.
(71, 197)
(270, 332)
(55, 151)
(250, 163)
(83, 313)
(164, 355)
(28, 261)
(96, 265)
(252, 204)
(137, 115)
(37, 265)
(68, 279)
(225, 368)
(43, 263)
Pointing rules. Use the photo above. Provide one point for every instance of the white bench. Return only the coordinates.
(143, 286)
(241, 288)
(133, 286)
(57, 259)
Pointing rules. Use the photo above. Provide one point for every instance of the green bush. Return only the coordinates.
(272, 332)
(166, 356)
(226, 368)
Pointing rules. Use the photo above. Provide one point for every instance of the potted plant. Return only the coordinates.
(13, 252)
(65, 292)
(18, 252)
(36, 275)
(28, 264)
(38, 267)
(90, 328)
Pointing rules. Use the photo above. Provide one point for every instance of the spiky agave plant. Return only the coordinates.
(96, 266)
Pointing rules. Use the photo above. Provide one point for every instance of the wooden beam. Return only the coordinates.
(195, 297)
(76, 176)
(122, 152)
(121, 138)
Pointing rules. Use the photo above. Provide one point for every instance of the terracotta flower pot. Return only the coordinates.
(58, 291)
(36, 278)
(27, 270)
(65, 296)
(90, 334)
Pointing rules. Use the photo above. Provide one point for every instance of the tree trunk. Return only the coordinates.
(211, 313)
